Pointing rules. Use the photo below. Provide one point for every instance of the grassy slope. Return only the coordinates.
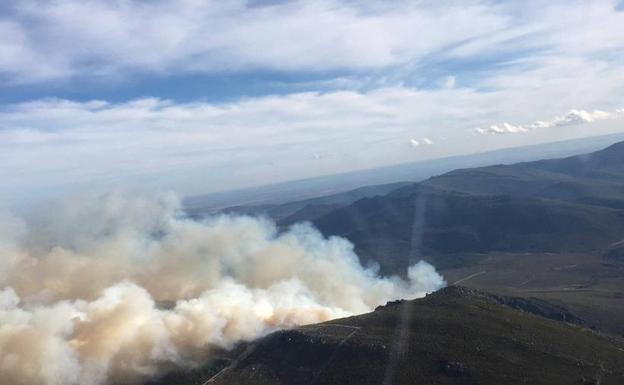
(587, 285)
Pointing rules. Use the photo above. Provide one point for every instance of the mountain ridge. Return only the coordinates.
(536, 206)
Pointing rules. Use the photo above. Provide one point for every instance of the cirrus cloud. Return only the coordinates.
(65, 39)
(102, 37)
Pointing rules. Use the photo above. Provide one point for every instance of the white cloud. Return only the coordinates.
(56, 145)
(418, 142)
(504, 128)
(580, 116)
(414, 143)
(573, 117)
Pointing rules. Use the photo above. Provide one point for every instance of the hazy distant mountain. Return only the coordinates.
(596, 178)
(454, 336)
(263, 199)
(307, 209)
(572, 204)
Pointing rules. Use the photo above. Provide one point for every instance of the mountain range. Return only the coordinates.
(573, 204)
(346, 186)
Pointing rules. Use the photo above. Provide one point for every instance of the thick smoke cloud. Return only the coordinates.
(120, 289)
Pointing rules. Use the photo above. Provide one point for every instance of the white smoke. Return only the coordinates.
(80, 288)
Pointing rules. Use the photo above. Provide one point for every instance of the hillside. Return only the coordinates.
(596, 179)
(397, 230)
(454, 336)
(550, 229)
(562, 205)
(310, 209)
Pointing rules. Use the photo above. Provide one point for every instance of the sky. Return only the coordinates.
(198, 96)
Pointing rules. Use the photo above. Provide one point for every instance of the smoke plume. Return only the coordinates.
(115, 289)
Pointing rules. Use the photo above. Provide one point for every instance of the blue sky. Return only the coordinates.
(199, 96)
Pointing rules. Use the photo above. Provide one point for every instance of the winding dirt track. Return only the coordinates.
(469, 277)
